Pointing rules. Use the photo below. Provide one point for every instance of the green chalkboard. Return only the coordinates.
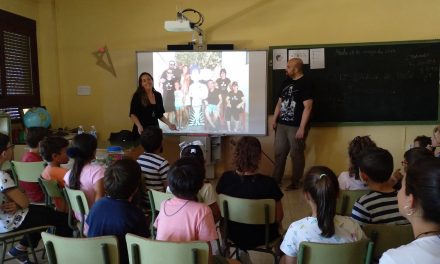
(394, 82)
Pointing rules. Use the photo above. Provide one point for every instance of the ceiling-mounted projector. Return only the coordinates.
(178, 26)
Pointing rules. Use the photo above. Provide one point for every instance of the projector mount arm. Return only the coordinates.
(194, 25)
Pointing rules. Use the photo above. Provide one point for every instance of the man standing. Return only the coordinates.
(291, 122)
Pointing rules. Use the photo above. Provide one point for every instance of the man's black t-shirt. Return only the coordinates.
(293, 93)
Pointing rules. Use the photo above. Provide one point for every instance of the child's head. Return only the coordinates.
(376, 163)
(122, 178)
(413, 155)
(422, 141)
(34, 135)
(321, 186)
(151, 139)
(356, 146)
(193, 151)
(247, 154)
(185, 178)
(177, 85)
(4, 147)
(83, 151)
(54, 149)
(420, 192)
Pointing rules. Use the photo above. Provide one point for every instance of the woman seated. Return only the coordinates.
(246, 182)
(419, 202)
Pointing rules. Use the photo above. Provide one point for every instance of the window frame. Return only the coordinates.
(25, 26)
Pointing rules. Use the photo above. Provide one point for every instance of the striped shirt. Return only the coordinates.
(377, 208)
(154, 170)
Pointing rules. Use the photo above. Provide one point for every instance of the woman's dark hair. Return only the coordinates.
(122, 178)
(193, 151)
(322, 185)
(423, 182)
(247, 154)
(356, 146)
(34, 135)
(140, 90)
(415, 154)
(151, 138)
(185, 178)
(4, 140)
(52, 145)
(424, 141)
(83, 151)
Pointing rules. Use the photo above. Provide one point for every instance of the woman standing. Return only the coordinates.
(147, 106)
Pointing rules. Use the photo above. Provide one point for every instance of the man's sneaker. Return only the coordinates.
(20, 255)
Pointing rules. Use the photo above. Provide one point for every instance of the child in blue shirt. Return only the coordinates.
(115, 214)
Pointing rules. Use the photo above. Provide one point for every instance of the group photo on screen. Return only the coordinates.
(204, 92)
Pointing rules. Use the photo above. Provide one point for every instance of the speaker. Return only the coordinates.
(220, 47)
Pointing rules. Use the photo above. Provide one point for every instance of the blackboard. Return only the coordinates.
(389, 83)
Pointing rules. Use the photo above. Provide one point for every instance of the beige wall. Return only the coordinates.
(69, 31)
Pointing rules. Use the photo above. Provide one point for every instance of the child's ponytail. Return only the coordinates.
(322, 185)
(83, 151)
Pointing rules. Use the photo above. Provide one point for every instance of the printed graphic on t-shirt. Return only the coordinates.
(288, 103)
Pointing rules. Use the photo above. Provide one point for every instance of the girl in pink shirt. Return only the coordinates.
(183, 218)
(84, 175)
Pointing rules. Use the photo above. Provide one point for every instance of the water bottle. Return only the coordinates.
(80, 130)
(93, 131)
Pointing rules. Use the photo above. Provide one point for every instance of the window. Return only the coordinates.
(19, 86)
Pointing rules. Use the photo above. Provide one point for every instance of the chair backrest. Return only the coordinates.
(51, 190)
(77, 202)
(81, 250)
(247, 211)
(143, 250)
(346, 200)
(358, 252)
(27, 171)
(388, 236)
(156, 198)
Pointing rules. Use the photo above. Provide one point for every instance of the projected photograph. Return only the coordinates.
(204, 92)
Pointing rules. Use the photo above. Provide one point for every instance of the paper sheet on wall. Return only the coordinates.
(279, 59)
(317, 58)
(302, 54)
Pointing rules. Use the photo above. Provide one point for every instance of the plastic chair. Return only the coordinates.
(51, 190)
(346, 200)
(358, 252)
(27, 171)
(388, 236)
(156, 199)
(81, 250)
(77, 202)
(143, 251)
(10, 237)
(251, 212)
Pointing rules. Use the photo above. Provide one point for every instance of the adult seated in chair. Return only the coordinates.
(16, 213)
(320, 191)
(419, 200)
(246, 182)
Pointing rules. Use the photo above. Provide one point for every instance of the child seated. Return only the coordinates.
(206, 195)
(33, 137)
(154, 167)
(115, 214)
(54, 151)
(379, 206)
(349, 180)
(183, 218)
(320, 191)
(16, 213)
(422, 142)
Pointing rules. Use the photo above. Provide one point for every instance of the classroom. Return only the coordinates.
(68, 32)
